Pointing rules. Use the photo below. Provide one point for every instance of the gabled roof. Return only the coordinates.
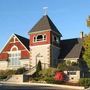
(70, 48)
(24, 40)
(44, 23)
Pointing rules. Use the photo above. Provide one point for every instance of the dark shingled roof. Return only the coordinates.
(44, 23)
(24, 40)
(70, 48)
(73, 68)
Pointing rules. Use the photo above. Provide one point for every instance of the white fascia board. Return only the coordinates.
(71, 58)
(7, 42)
(21, 43)
(10, 39)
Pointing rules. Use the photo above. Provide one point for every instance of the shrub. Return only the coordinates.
(62, 66)
(20, 70)
(74, 64)
(10, 72)
(48, 75)
(52, 80)
(47, 72)
(2, 77)
(85, 82)
(68, 63)
(5, 73)
(49, 79)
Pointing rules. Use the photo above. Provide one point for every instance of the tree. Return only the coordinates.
(62, 66)
(86, 53)
(38, 68)
(88, 21)
(20, 70)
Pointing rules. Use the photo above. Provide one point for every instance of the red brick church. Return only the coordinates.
(44, 44)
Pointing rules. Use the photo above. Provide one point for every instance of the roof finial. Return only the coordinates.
(45, 10)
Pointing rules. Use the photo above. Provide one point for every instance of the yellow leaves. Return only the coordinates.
(88, 22)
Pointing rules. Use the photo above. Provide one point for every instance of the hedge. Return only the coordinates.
(85, 82)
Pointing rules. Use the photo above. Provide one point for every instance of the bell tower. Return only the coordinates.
(44, 43)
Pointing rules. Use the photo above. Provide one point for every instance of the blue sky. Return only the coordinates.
(19, 16)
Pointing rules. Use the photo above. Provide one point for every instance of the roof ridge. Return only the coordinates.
(20, 36)
(48, 20)
(70, 39)
(23, 40)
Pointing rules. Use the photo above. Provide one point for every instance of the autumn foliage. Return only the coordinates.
(59, 76)
(86, 53)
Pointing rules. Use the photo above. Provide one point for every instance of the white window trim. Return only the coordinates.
(14, 39)
(37, 36)
(13, 57)
(72, 72)
(14, 47)
(9, 41)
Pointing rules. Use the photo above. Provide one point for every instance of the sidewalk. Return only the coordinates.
(41, 84)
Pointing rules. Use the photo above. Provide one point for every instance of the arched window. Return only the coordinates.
(39, 38)
(14, 56)
(14, 48)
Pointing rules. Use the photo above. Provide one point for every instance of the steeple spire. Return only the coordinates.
(45, 23)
